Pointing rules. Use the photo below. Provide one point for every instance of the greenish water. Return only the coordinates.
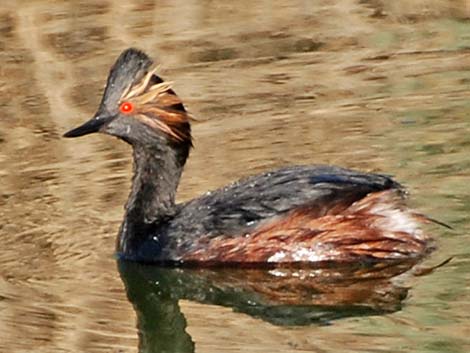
(371, 85)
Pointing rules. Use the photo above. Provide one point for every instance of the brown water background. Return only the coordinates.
(375, 85)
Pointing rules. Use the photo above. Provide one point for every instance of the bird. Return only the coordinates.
(296, 215)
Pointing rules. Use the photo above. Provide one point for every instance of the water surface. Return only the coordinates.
(363, 84)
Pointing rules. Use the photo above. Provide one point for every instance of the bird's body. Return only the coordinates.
(302, 214)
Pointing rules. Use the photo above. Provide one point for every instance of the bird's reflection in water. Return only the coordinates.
(279, 296)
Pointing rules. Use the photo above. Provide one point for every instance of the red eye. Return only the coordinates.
(126, 107)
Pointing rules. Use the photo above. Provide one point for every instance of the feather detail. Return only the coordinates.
(157, 106)
(138, 89)
(377, 227)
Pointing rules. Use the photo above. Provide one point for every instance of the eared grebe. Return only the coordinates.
(301, 214)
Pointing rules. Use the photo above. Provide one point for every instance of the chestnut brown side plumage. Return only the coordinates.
(299, 214)
(376, 227)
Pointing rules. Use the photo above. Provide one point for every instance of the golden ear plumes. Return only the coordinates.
(157, 105)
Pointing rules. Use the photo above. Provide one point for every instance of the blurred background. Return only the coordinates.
(376, 85)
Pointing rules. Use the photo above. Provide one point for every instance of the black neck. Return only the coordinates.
(157, 171)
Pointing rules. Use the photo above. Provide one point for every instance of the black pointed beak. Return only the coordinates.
(92, 125)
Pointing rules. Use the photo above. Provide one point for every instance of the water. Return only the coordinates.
(363, 84)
